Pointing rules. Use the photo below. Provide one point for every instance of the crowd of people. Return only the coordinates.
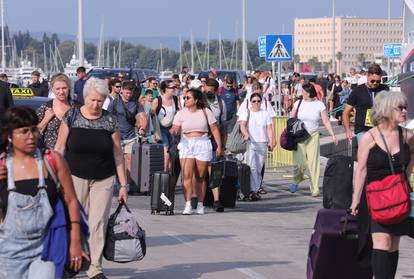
(94, 129)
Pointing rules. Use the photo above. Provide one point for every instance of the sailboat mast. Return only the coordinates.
(181, 52)
(161, 63)
(3, 53)
(221, 66)
(81, 51)
(192, 52)
(119, 52)
(208, 46)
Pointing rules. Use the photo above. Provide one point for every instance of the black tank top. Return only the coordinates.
(378, 166)
(28, 187)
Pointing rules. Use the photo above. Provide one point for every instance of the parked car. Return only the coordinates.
(32, 102)
(238, 76)
(130, 73)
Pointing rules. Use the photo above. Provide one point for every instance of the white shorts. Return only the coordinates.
(127, 145)
(195, 148)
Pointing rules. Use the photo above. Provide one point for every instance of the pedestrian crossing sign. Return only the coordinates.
(279, 48)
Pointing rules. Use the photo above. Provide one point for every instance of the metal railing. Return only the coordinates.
(279, 157)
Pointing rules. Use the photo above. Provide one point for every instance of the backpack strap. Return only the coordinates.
(221, 109)
(220, 91)
(175, 98)
(51, 166)
(159, 105)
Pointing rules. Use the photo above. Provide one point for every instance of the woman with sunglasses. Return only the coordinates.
(310, 111)
(377, 147)
(51, 114)
(256, 127)
(27, 199)
(195, 149)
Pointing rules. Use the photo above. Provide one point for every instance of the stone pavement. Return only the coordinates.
(258, 240)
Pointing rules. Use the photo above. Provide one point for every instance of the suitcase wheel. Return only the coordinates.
(155, 212)
(169, 212)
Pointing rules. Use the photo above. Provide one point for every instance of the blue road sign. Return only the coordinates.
(392, 50)
(262, 46)
(279, 48)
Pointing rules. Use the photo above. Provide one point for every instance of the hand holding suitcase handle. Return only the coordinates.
(346, 220)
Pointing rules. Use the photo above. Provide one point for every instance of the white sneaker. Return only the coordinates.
(333, 119)
(200, 209)
(187, 209)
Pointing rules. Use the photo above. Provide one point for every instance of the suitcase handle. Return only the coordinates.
(349, 145)
(346, 220)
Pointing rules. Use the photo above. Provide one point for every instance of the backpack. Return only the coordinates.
(56, 241)
(175, 98)
(220, 91)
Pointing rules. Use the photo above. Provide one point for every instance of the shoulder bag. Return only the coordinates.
(294, 132)
(236, 143)
(388, 199)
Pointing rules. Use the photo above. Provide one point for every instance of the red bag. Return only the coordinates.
(389, 199)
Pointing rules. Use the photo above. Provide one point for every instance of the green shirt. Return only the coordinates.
(154, 93)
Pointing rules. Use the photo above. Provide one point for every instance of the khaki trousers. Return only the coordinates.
(95, 197)
(307, 155)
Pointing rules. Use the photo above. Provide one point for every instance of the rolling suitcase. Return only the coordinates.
(243, 178)
(333, 247)
(162, 193)
(152, 160)
(135, 175)
(223, 173)
(337, 181)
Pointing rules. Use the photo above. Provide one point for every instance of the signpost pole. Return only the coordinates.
(274, 75)
(279, 88)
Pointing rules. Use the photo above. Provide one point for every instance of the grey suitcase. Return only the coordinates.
(135, 183)
(152, 160)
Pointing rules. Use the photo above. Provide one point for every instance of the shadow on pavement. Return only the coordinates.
(188, 270)
(262, 206)
(153, 241)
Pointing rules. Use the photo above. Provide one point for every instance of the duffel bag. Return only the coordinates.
(125, 239)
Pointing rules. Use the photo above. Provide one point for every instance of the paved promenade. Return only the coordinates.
(256, 240)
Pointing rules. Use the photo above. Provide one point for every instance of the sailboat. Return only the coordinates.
(72, 66)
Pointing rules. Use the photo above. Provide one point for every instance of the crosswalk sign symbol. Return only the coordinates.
(279, 48)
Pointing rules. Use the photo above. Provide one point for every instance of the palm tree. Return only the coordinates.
(312, 62)
(296, 61)
(339, 58)
(361, 59)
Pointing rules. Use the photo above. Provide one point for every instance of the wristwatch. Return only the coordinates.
(126, 186)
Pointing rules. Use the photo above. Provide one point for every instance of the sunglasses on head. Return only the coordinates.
(377, 81)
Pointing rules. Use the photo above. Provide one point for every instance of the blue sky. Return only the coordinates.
(138, 18)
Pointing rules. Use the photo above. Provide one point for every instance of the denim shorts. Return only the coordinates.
(166, 137)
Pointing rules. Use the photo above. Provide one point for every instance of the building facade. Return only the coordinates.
(359, 41)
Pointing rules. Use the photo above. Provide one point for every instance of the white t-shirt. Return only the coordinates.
(298, 90)
(310, 114)
(107, 102)
(362, 80)
(257, 125)
(246, 103)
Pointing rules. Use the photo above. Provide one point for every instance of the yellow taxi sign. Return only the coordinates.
(22, 92)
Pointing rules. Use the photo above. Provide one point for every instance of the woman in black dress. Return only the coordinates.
(390, 109)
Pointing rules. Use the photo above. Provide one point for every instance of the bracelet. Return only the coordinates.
(75, 222)
(126, 186)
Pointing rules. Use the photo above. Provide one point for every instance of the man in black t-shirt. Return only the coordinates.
(362, 98)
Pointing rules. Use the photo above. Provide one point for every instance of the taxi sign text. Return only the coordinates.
(22, 92)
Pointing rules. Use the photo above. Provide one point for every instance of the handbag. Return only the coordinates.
(210, 135)
(388, 199)
(294, 132)
(57, 241)
(125, 239)
(236, 143)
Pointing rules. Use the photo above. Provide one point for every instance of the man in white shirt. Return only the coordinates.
(115, 87)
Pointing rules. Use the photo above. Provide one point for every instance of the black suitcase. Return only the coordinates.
(223, 173)
(152, 160)
(333, 248)
(243, 178)
(337, 182)
(162, 193)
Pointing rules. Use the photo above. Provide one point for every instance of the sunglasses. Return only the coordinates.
(117, 86)
(377, 81)
(401, 108)
(25, 131)
(256, 101)
(187, 98)
(154, 83)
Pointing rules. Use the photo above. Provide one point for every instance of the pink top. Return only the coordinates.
(194, 121)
